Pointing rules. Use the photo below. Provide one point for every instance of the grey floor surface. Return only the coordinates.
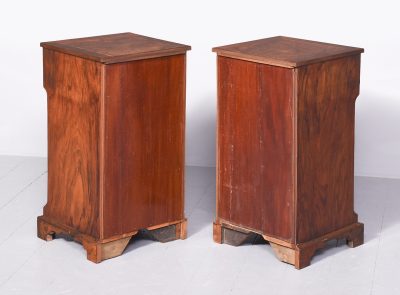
(29, 265)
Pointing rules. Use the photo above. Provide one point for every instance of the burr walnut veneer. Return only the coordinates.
(285, 145)
(116, 119)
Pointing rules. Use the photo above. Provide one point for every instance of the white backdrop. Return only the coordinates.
(203, 25)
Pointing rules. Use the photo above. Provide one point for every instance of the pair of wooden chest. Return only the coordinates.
(116, 125)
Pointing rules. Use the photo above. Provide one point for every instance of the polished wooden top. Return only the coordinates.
(117, 47)
(285, 51)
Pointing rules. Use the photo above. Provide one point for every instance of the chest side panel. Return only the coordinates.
(326, 103)
(73, 88)
(255, 146)
(144, 143)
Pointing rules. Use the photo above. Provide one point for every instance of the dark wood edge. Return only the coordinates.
(227, 52)
(223, 47)
(281, 63)
(60, 46)
(60, 43)
(115, 59)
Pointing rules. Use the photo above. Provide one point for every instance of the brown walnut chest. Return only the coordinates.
(285, 137)
(116, 121)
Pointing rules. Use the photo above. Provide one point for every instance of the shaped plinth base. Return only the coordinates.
(99, 250)
(299, 255)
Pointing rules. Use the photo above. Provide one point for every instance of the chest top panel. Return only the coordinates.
(117, 47)
(285, 51)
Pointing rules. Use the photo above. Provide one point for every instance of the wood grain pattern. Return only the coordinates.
(74, 93)
(144, 156)
(117, 48)
(326, 105)
(285, 145)
(285, 51)
(115, 142)
(255, 146)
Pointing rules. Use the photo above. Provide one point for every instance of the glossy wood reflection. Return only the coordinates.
(116, 141)
(74, 93)
(326, 106)
(144, 150)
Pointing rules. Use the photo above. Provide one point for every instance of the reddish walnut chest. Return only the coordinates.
(285, 153)
(116, 121)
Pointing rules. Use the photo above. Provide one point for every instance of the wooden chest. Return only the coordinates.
(286, 145)
(116, 121)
